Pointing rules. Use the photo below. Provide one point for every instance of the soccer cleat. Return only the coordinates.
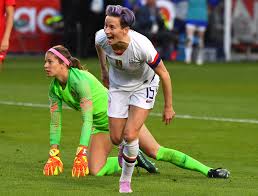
(218, 173)
(199, 62)
(144, 163)
(188, 61)
(1, 62)
(2, 57)
(125, 187)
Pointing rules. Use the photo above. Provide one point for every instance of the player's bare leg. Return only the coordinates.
(199, 60)
(189, 43)
(136, 118)
(99, 162)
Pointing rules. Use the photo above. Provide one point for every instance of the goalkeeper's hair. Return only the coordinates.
(74, 62)
(127, 17)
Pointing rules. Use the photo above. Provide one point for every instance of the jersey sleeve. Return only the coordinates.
(84, 91)
(100, 37)
(152, 57)
(55, 116)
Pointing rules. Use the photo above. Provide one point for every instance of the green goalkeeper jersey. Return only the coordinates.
(83, 92)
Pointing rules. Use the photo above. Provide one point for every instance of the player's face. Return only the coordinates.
(52, 66)
(114, 32)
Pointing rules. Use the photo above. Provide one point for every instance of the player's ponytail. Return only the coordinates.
(76, 63)
(65, 56)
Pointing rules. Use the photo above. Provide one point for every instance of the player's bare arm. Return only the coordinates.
(9, 24)
(103, 65)
(169, 112)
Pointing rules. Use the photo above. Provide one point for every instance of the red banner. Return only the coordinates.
(30, 32)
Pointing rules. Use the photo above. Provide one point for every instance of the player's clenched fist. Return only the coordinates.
(80, 164)
(54, 165)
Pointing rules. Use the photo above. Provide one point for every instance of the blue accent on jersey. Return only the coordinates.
(197, 23)
(156, 61)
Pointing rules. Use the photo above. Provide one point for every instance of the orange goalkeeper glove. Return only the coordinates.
(54, 165)
(80, 164)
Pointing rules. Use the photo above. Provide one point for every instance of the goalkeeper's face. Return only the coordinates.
(53, 67)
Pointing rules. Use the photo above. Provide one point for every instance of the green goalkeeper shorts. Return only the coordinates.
(100, 123)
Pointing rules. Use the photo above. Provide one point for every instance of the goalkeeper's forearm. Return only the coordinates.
(87, 115)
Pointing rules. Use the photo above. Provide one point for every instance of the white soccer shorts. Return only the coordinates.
(119, 101)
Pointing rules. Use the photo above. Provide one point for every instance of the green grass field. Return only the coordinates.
(221, 101)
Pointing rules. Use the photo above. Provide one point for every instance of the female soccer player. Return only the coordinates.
(134, 71)
(135, 68)
(83, 92)
(6, 24)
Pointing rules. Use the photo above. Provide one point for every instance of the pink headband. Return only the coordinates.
(62, 57)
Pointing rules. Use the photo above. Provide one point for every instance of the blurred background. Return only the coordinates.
(231, 32)
(216, 104)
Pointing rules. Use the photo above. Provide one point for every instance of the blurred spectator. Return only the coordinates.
(150, 23)
(215, 31)
(95, 21)
(181, 12)
(196, 21)
(75, 14)
(133, 5)
(82, 18)
(6, 25)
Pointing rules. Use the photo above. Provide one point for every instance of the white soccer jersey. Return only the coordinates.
(131, 70)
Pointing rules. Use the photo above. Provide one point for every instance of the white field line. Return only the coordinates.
(37, 105)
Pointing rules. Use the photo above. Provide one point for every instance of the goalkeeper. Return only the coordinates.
(81, 91)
